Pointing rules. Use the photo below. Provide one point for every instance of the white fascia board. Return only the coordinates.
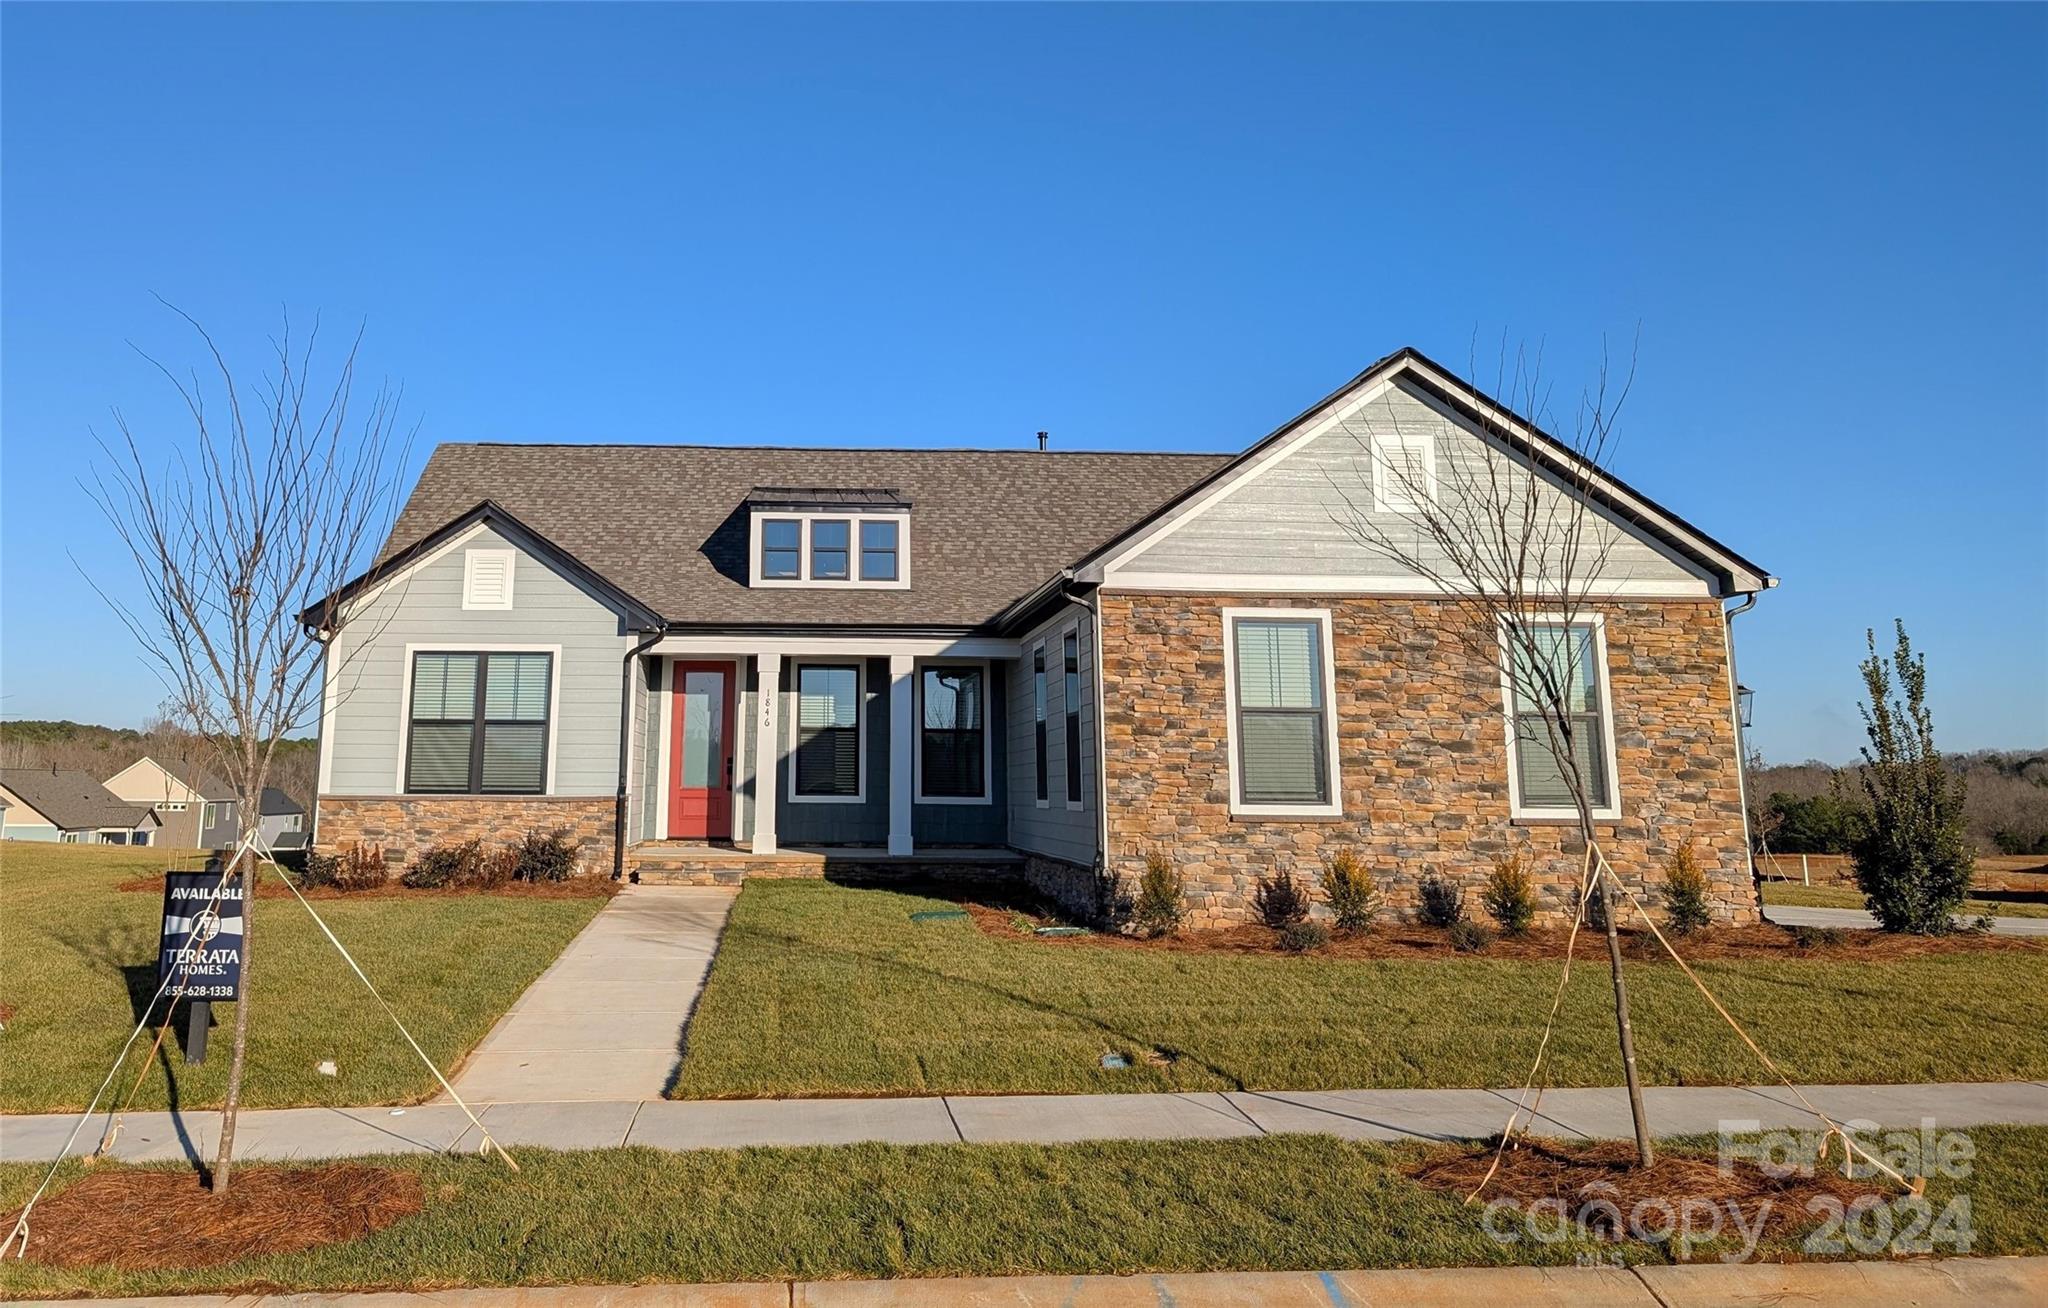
(967, 647)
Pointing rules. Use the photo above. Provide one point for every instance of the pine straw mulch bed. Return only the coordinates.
(139, 1219)
(1599, 1186)
(1010, 919)
(267, 887)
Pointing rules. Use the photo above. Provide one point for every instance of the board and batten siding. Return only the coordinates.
(367, 664)
(1056, 830)
(1292, 518)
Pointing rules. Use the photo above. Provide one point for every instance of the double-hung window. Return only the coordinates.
(1038, 716)
(782, 549)
(831, 549)
(1072, 687)
(878, 537)
(828, 764)
(953, 743)
(1558, 704)
(1282, 742)
(478, 724)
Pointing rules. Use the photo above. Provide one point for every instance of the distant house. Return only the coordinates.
(68, 805)
(199, 810)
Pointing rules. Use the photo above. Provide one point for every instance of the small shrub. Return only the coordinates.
(1441, 903)
(352, 867)
(361, 867)
(442, 866)
(1304, 937)
(1112, 899)
(316, 867)
(497, 868)
(1162, 897)
(1509, 897)
(1813, 937)
(549, 857)
(1470, 937)
(1280, 900)
(1685, 893)
(1354, 897)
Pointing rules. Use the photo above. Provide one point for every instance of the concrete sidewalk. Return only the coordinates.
(605, 1021)
(1855, 919)
(1989, 1282)
(1041, 1119)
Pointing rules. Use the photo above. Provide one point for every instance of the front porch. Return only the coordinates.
(695, 863)
(762, 753)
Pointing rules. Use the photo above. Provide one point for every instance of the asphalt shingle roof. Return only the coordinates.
(71, 798)
(668, 524)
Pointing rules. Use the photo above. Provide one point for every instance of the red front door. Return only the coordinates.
(700, 752)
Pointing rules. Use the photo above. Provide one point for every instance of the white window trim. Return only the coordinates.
(1389, 494)
(1042, 776)
(469, 562)
(547, 780)
(1611, 811)
(860, 722)
(1335, 806)
(1073, 747)
(988, 776)
(804, 518)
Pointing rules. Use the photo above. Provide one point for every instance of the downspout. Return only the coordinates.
(1094, 602)
(625, 747)
(1741, 739)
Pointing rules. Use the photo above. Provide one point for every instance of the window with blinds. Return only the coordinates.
(1282, 736)
(827, 731)
(952, 748)
(478, 724)
(1559, 665)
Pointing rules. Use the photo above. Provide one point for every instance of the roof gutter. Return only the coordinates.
(1735, 715)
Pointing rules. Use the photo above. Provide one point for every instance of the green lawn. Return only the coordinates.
(1791, 892)
(630, 1215)
(821, 989)
(80, 956)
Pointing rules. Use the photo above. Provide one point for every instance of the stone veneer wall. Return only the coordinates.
(1423, 755)
(1069, 885)
(407, 824)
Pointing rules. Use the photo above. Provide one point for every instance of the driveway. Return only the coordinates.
(606, 1020)
(1856, 918)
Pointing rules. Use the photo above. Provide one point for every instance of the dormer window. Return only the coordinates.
(821, 537)
(782, 549)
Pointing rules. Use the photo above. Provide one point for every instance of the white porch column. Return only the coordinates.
(902, 738)
(767, 749)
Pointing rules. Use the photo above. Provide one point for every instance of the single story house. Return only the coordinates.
(709, 662)
(199, 810)
(71, 806)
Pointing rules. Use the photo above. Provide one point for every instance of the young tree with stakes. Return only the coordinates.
(274, 495)
(1515, 548)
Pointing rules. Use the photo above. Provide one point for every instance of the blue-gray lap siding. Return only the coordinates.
(1058, 829)
(365, 738)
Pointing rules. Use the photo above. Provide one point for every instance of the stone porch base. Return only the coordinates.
(677, 863)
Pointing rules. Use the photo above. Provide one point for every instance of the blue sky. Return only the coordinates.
(1141, 227)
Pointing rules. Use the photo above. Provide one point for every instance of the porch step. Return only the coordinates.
(665, 863)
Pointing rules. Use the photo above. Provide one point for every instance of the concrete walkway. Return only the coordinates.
(1985, 1282)
(605, 1021)
(290, 1133)
(1857, 919)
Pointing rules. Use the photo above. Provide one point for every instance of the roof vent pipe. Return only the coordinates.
(1041, 442)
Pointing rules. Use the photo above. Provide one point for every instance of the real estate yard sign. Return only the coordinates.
(200, 952)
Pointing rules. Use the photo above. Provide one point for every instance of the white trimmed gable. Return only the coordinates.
(1281, 521)
(145, 782)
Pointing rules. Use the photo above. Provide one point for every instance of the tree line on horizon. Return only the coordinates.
(103, 751)
(1819, 808)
